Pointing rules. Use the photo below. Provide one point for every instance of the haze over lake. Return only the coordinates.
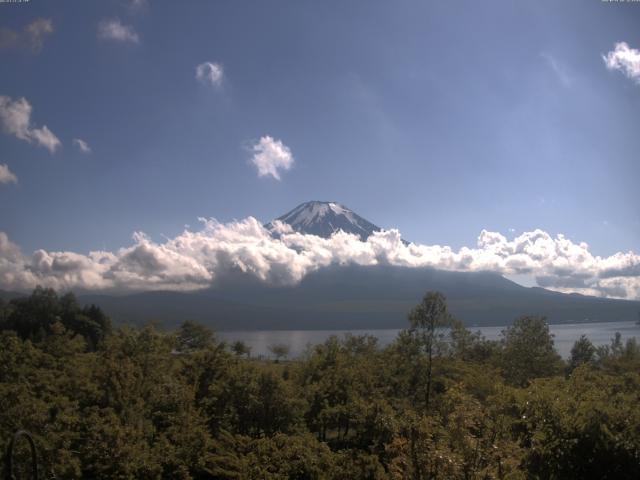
(298, 340)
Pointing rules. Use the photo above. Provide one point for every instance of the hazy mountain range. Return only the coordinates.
(352, 296)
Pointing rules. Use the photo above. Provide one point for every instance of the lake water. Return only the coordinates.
(297, 340)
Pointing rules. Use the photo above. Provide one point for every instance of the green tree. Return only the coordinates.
(470, 346)
(34, 317)
(132, 408)
(587, 426)
(528, 351)
(279, 350)
(583, 351)
(428, 319)
(4, 312)
(240, 348)
(289, 457)
(194, 336)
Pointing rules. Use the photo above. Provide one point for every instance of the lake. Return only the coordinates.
(297, 340)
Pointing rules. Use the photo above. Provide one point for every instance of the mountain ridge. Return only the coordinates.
(323, 219)
(351, 296)
(344, 297)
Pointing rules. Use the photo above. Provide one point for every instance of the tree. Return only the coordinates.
(240, 348)
(289, 456)
(34, 317)
(31, 317)
(131, 408)
(426, 318)
(194, 336)
(470, 346)
(583, 427)
(528, 351)
(583, 351)
(99, 323)
(279, 350)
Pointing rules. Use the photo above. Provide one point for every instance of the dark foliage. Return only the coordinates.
(438, 403)
(34, 317)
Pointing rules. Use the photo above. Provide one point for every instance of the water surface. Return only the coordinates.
(298, 340)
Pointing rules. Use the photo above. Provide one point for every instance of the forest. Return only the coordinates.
(440, 402)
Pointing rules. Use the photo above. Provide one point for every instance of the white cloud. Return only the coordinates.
(36, 32)
(31, 37)
(115, 30)
(210, 73)
(625, 59)
(198, 259)
(270, 156)
(6, 175)
(15, 119)
(82, 145)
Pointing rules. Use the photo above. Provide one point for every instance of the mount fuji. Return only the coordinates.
(324, 219)
(353, 296)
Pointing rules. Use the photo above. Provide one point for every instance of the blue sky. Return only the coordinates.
(438, 118)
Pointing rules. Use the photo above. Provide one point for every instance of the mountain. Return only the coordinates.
(7, 295)
(359, 297)
(352, 296)
(325, 218)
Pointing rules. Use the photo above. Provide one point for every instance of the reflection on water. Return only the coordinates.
(298, 340)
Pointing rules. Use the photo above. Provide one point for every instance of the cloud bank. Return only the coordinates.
(270, 156)
(15, 119)
(199, 259)
(115, 30)
(624, 59)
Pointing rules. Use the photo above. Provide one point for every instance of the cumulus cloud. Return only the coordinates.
(625, 59)
(210, 73)
(6, 175)
(82, 145)
(270, 156)
(31, 37)
(115, 30)
(199, 259)
(15, 119)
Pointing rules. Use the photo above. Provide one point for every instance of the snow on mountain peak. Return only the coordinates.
(325, 218)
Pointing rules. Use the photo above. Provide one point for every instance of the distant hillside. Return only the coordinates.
(9, 295)
(354, 297)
